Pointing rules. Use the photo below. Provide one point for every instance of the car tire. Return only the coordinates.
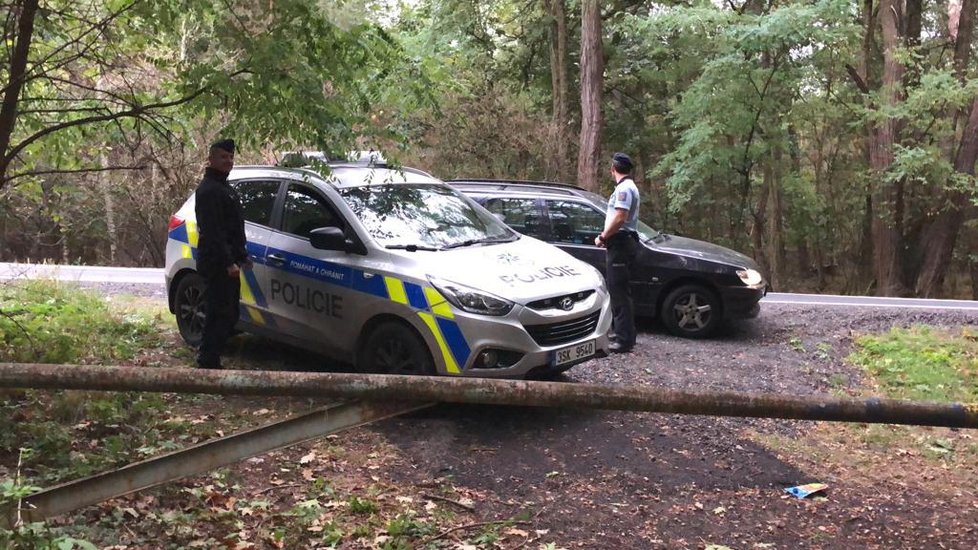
(394, 348)
(691, 311)
(189, 307)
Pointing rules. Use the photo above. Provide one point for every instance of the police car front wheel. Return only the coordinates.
(393, 348)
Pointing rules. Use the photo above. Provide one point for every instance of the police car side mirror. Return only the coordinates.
(328, 238)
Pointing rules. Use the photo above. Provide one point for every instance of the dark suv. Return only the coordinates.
(690, 285)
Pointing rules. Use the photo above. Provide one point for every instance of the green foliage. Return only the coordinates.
(303, 73)
(750, 70)
(922, 363)
(34, 535)
(49, 322)
(362, 506)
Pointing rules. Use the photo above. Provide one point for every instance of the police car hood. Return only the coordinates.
(522, 270)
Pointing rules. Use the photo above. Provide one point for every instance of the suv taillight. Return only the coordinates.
(175, 222)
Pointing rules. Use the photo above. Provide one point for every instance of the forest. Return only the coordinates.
(834, 141)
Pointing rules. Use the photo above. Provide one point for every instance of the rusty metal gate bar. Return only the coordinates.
(487, 391)
(203, 457)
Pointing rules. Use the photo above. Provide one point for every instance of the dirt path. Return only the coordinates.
(627, 480)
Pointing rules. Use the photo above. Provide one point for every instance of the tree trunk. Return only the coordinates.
(759, 230)
(105, 188)
(558, 79)
(974, 280)
(592, 67)
(776, 254)
(17, 73)
(886, 196)
(938, 239)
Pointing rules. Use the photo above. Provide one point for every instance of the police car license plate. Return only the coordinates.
(573, 353)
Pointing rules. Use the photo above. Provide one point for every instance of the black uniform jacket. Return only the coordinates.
(220, 221)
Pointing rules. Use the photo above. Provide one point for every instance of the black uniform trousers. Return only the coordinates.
(622, 249)
(221, 296)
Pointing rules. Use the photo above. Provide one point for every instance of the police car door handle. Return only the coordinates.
(275, 259)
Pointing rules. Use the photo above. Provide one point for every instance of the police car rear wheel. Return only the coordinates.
(190, 308)
(393, 348)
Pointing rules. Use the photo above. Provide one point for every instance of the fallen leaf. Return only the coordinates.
(516, 532)
(308, 458)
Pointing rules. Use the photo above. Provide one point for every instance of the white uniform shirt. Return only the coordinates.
(625, 196)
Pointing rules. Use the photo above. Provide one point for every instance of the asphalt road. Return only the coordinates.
(154, 276)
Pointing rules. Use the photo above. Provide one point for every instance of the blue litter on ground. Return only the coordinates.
(802, 491)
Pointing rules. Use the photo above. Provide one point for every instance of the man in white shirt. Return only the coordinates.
(620, 237)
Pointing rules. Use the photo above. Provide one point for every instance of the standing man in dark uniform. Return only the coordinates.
(221, 252)
(620, 237)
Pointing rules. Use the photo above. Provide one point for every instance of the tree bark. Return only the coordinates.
(592, 82)
(558, 79)
(18, 74)
(776, 252)
(937, 240)
(886, 196)
(759, 230)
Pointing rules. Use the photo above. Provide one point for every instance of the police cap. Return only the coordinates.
(224, 144)
(622, 163)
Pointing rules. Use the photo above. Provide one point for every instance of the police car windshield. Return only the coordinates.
(423, 217)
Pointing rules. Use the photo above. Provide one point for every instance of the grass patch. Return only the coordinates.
(922, 363)
(49, 322)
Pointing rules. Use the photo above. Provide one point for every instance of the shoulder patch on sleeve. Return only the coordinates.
(622, 195)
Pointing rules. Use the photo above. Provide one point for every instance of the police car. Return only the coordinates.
(393, 271)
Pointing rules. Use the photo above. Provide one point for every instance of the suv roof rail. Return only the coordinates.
(504, 182)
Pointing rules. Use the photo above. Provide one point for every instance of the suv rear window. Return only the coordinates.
(520, 214)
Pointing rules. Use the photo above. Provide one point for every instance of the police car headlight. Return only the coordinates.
(602, 284)
(750, 276)
(470, 299)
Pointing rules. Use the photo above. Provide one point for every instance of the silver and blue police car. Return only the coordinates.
(393, 271)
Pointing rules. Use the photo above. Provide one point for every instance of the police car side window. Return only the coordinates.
(520, 214)
(306, 210)
(573, 222)
(257, 199)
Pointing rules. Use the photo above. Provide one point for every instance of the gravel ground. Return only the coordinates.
(614, 479)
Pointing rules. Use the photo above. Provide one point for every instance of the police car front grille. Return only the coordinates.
(563, 332)
(553, 303)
